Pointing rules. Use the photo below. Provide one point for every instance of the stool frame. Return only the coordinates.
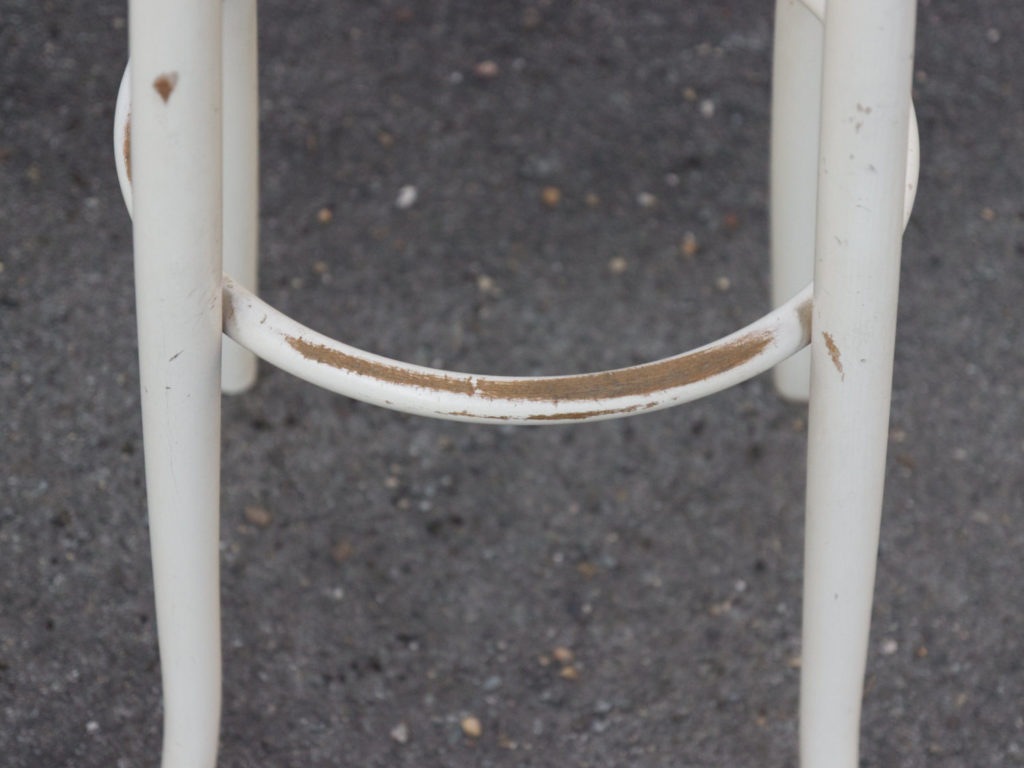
(186, 146)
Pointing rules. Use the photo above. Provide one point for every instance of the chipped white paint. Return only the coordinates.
(260, 331)
(795, 115)
(175, 156)
(381, 381)
(122, 136)
(241, 173)
(861, 211)
(174, 162)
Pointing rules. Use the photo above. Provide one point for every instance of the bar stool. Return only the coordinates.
(844, 170)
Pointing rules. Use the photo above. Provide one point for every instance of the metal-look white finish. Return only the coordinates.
(796, 100)
(241, 172)
(168, 145)
(913, 166)
(330, 364)
(817, 7)
(122, 136)
(796, 109)
(866, 86)
(175, 158)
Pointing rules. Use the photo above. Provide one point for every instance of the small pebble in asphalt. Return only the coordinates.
(257, 516)
(617, 265)
(646, 200)
(406, 197)
(485, 284)
(689, 245)
(400, 733)
(341, 551)
(487, 69)
(471, 727)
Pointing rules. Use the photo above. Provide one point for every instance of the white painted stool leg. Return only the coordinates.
(796, 108)
(241, 173)
(865, 106)
(176, 170)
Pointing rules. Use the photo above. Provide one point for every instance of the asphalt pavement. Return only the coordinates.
(590, 192)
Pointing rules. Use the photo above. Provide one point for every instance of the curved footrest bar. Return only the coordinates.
(364, 376)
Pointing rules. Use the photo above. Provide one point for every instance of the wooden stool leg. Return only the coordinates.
(176, 177)
(796, 110)
(241, 173)
(865, 106)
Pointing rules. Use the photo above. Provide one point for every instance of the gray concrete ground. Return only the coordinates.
(622, 594)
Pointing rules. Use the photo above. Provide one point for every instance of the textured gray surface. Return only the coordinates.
(417, 572)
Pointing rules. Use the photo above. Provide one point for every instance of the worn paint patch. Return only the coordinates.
(588, 414)
(573, 416)
(467, 414)
(391, 374)
(227, 307)
(833, 352)
(806, 312)
(126, 147)
(165, 85)
(639, 380)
